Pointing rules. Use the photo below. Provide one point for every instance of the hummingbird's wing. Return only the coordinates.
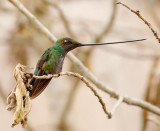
(38, 85)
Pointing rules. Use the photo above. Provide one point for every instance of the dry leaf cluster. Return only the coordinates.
(19, 98)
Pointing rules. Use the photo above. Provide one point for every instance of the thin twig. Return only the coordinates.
(154, 120)
(127, 54)
(63, 18)
(120, 100)
(106, 30)
(83, 69)
(2, 94)
(84, 80)
(109, 25)
(150, 90)
(63, 125)
(34, 20)
(154, 12)
(63, 122)
(137, 12)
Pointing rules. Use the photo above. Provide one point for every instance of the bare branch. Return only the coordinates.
(83, 69)
(130, 55)
(109, 26)
(63, 18)
(154, 120)
(63, 122)
(151, 90)
(2, 94)
(34, 20)
(137, 12)
(46, 76)
(120, 100)
(84, 80)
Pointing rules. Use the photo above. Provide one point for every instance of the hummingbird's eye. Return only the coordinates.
(66, 41)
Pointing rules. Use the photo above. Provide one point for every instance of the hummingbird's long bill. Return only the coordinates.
(113, 42)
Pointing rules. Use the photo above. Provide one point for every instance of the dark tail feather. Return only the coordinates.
(38, 85)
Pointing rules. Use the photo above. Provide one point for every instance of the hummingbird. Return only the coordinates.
(51, 62)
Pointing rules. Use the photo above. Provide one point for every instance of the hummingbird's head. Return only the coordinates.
(68, 43)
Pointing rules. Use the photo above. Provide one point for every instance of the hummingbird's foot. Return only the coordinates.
(28, 75)
(57, 75)
(29, 87)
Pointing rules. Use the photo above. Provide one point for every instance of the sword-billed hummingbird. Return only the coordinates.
(51, 62)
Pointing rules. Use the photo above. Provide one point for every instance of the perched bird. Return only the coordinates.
(51, 62)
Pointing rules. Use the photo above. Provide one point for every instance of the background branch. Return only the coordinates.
(130, 55)
(63, 18)
(154, 120)
(109, 26)
(3, 94)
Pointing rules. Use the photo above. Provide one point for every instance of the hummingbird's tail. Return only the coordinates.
(38, 85)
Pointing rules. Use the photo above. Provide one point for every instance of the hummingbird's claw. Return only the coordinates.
(29, 87)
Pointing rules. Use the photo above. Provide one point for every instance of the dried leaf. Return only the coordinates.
(19, 98)
(11, 101)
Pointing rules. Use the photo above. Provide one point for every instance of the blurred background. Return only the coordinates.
(67, 104)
